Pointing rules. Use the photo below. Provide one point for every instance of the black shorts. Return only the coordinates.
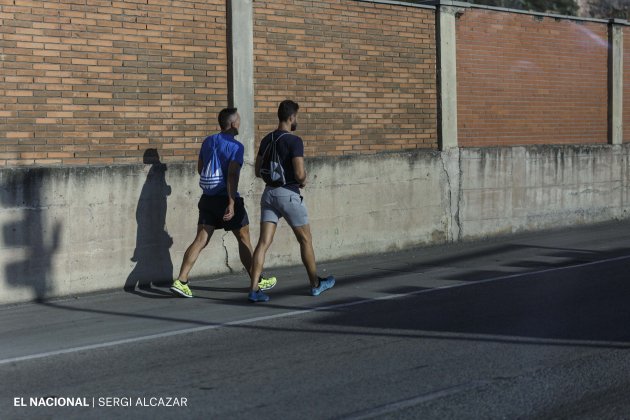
(212, 208)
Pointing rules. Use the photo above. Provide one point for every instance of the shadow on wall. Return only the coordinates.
(28, 236)
(152, 255)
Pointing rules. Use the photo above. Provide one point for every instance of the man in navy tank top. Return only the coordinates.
(285, 201)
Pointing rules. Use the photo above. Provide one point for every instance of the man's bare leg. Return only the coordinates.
(204, 233)
(244, 247)
(304, 237)
(267, 231)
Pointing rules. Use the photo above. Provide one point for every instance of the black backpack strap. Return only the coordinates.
(278, 138)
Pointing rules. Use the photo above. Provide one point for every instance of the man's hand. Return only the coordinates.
(229, 211)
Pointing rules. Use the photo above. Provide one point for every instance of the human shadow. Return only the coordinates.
(21, 193)
(152, 253)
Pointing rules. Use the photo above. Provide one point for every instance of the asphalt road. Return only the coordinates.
(527, 326)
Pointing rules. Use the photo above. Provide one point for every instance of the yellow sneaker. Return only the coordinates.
(266, 284)
(181, 289)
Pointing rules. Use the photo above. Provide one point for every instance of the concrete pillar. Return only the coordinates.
(615, 81)
(447, 73)
(241, 69)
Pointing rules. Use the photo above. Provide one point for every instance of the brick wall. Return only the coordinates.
(363, 73)
(626, 84)
(99, 82)
(524, 80)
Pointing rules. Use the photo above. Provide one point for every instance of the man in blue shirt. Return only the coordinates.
(280, 201)
(220, 206)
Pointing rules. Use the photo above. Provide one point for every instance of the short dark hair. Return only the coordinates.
(286, 109)
(224, 117)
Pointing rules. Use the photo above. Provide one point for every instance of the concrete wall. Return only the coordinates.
(85, 228)
(75, 230)
(508, 190)
(626, 83)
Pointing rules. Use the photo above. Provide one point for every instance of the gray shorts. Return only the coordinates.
(281, 202)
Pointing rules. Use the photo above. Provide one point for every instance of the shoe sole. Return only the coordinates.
(328, 288)
(256, 301)
(268, 288)
(180, 293)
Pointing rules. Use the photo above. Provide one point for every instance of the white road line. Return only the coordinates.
(293, 313)
(412, 402)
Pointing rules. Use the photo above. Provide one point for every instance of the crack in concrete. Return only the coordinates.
(450, 198)
(454, 228)
(227, 259)
(460, 195)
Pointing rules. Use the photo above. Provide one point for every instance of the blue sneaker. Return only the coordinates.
(324, 284)
(258, 296)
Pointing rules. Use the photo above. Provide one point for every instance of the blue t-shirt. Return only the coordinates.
(288, 147)
(228, 150)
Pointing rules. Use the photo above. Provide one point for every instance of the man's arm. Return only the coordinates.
(234, 172)
(300, 170)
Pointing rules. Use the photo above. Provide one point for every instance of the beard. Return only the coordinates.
(294, 126)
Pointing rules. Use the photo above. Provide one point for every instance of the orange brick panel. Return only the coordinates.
(363, 73)
(100, 82)
(530, 80)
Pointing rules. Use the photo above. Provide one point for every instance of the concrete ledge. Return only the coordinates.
(517, 189)
(525, 12)
(429, 4)
(77, 230)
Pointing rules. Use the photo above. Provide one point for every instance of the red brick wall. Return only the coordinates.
(527, 80)
(626, 84)
(99, 82)
(363, 73)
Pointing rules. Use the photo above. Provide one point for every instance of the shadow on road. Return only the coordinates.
(583, 305)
